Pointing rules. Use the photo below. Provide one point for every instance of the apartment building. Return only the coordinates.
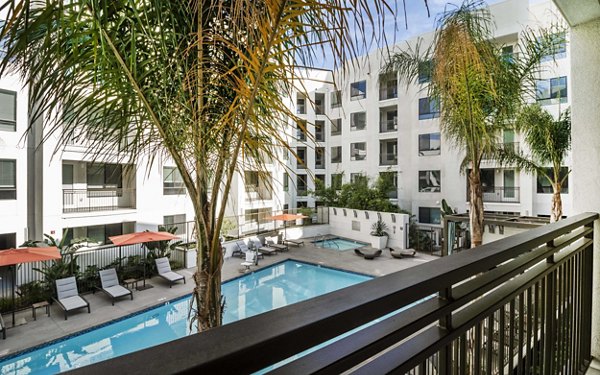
(369, 124)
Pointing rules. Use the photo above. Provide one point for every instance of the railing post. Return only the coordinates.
(445, 356)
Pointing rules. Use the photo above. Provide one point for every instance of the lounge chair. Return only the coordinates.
(164, 271)
(402, 253)
(367, 255)
(111, 286)
(294, 242)
(2, 328)
(277, 246)
(243, 249)
(250, 260)
(264, 249)
(68, 296)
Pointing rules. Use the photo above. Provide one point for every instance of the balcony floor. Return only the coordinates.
(54, 327)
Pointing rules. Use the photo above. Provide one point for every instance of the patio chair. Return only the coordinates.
(164, 271)
(277, 246)
(68, 296)
(111, 286)
(243, 249)
(250, 260)
(402, 253)
(263, 248)
(2, 328)
(367, 255)
(294, 242)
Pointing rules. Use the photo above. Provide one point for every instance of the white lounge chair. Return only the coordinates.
(277, 246)
(294, 242)
(111, 286)
(250, 260)
(68, 295)
(243, 249)
(164, 271)
(263, 248)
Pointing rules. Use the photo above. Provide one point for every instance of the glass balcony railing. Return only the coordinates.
(388, 159)
(91, 200)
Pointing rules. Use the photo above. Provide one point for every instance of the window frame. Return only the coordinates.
(433, 108)
(358, 90)
(425, 179)
(178, 187)
(9, 192)
(6, 124)
(430, 151)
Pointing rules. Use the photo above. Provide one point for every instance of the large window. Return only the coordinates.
(8, 240)
(336, 126)
(390, 182)
(172, 181)
(8, 110)
(559, 49)
(319, 157)
(358, 90)
(428, 108)
(301, 186)
(251, 180)
(336, 154)
(319, 103)
(300, 104)
(175, 221)
(104, 176)
(336, 181)
(99, 234)
(544, 186)
(301, 162)
(430, 215)
(425, 69)
(430, 182)
(8, 179)
(358, 178)
(336, 99)
(388, 86)
(358, 120)
(358, 151)
(286, 181)
(301, 130)
(320, 131)
(553, 90)
(429, 144)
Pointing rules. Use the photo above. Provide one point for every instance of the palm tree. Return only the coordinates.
(549, 140)
(200, 82)
(479, 88)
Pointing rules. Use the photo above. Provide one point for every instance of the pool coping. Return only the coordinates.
(173, 300)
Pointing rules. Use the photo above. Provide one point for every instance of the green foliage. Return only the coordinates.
(379, 228)
(33, 292)
(227, 227)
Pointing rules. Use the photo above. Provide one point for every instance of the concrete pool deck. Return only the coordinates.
(46, 329)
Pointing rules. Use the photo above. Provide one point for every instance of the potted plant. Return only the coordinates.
(379, 234)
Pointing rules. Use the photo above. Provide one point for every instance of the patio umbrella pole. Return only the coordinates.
(144, 286)
(14, 282)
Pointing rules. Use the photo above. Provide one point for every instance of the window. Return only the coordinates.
(550, 91)
(320, 179)
(99, 234)
(251, 180)
(336, 154)
(257, 215)
(430, 215)
(336, 181)
(319, 103)
(358, 178)
(429, 182)
(507, 54)
(388, 152)
(301, 186)
(428, 108)
(358, 120)
(300, 104)
(358, 151)
(429, 144)
(175, 221)
(320, 158)
(388, 119)
(544, 186)
(388, 86)
(286, 181)
(389, 180)
(336, 99)
(8, 179)
(172, 181)
(301, 160)
(104, 176)
(425, 70)
(301, 130)
(8, 240)
(8, 110)
(358, 90)
(67, 174)
(559, 49)
(320, 131)
(336, 126)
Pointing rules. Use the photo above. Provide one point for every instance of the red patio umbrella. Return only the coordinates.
(285, 218)
(12, 257)
(142, 238)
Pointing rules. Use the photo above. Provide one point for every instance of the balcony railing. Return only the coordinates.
(388, 158)
(388, 125)
(91, 200)
(388, 93)
(258, 193)
(358, 154)
(494, 194)
(522, 304)
(320, 164)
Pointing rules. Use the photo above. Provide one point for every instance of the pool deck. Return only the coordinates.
(45, 329)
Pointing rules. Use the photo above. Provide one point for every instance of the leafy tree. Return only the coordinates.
(202, 82)
(358, 195)
(479, 88)
(549, 140)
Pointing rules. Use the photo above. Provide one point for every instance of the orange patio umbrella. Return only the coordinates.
(285, 218)
(12, 257)
(142, 238)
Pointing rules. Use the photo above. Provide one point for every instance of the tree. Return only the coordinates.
(202, 82)
(479, 88)
(549, 140)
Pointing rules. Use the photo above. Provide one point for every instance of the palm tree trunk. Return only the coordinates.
(476, 207)
(556, 213)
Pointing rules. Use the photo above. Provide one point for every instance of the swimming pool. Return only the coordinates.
(339, 244)
(276, 286)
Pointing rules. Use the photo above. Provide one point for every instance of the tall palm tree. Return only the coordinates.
(549, 140)
(479, 88)
(201, 82)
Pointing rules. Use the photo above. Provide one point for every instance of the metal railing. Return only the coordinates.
(388, 125)
(388, 92)
(517, 305)
(495, 194)
(388, 158)
(90, 200)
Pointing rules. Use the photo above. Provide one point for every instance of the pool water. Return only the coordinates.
(339, 244)
(276, 286)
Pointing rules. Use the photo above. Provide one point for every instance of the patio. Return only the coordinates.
(54, 327)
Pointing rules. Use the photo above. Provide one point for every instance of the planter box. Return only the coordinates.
(379, 242)
(190, 258)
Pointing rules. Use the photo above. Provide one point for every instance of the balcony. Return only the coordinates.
(92, 200)
(518, 305)
(388, 158)
(502, 194)
(258, 193)
(386, 126)
(508, 146)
